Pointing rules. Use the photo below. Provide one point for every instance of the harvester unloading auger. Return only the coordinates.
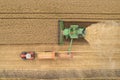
(72, 32)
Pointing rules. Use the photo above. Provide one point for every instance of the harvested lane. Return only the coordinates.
(83, 60)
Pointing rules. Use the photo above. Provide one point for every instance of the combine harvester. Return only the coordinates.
(72, 32)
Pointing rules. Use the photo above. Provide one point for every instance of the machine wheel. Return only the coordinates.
(24, 58)
(23, 52)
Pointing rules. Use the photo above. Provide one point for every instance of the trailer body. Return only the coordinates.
(46, 55)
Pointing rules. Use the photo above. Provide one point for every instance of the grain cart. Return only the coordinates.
(46, 55)
(54, 55)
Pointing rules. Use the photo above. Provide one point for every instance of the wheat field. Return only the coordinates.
(32, 25)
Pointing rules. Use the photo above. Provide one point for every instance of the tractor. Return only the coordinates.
(27, 55)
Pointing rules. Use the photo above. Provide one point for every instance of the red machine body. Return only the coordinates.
(28, 55)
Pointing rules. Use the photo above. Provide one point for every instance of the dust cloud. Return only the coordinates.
(103, 34)
(104, 37)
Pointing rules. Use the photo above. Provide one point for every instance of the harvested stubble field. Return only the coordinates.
(101, 59)
(33, 26)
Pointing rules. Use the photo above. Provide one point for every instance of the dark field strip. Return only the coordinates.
(68, 18)
(57, 74)
(57, 13)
